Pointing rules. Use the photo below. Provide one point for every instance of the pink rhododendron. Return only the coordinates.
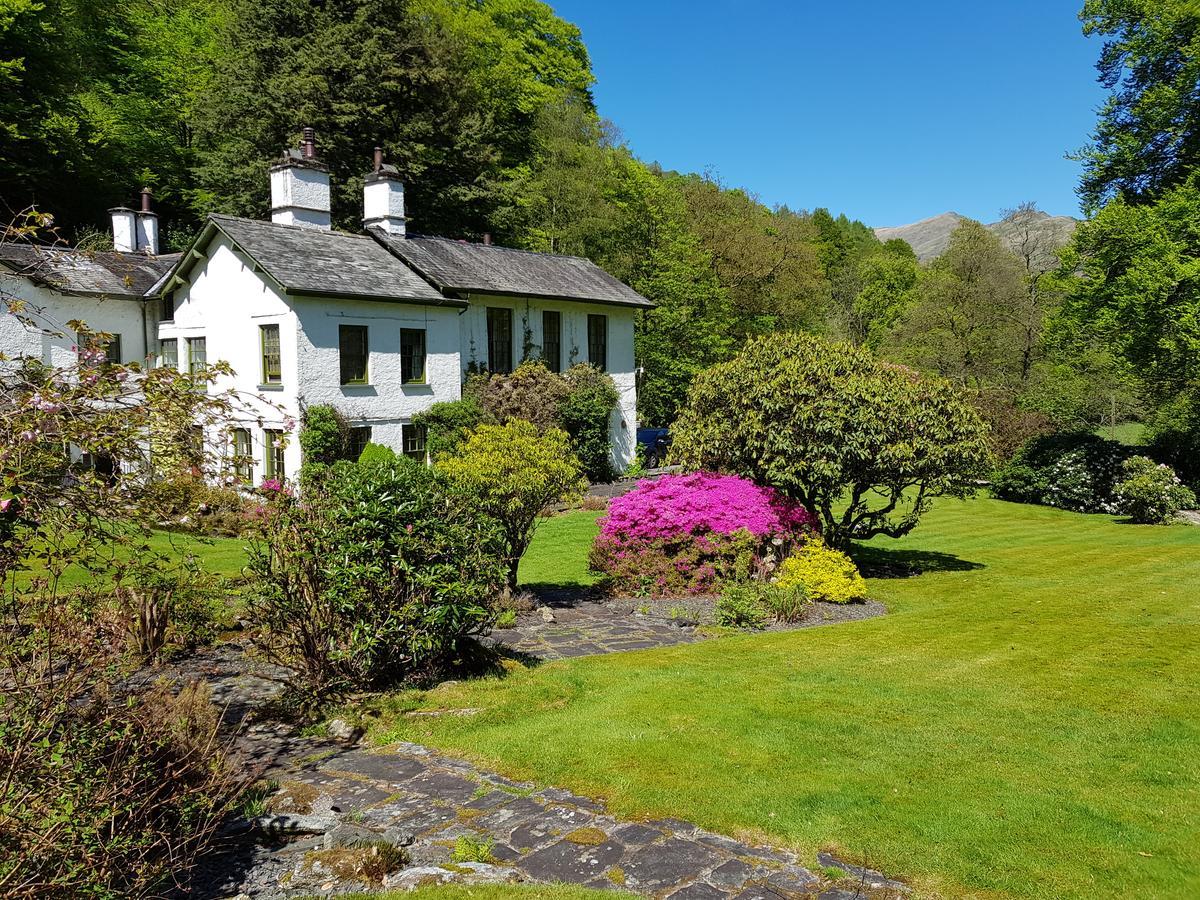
(701, 503)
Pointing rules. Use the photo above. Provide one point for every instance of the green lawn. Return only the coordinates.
(1025, 721)
(558, 555)
(221, 556)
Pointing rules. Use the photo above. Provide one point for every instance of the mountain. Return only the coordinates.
(929, 238)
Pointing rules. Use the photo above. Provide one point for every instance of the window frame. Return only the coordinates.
(162, 360)
(409, 377)
(274, 461)
(357, 438)
(270, 377)
(499, 315)
(243, 454)
(553, 362)
(345, 329)
(191, 348)
(417, 435)
(602, 320)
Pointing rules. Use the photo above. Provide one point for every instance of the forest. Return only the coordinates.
(486, 108)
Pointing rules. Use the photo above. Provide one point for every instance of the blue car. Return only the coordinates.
(653, 444)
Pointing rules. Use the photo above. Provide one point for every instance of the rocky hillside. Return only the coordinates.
(930, 237)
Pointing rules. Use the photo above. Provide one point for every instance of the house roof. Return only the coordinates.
(320, 263)
(483, 268)
(103, 273)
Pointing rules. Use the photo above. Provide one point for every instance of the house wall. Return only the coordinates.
(116, 315)
(226, 301)
(385, 403)
(527, 334)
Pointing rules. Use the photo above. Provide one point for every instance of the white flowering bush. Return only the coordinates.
(1151, 493)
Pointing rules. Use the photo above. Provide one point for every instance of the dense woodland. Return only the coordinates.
(485, 106)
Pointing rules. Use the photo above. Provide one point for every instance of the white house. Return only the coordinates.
(380, 324)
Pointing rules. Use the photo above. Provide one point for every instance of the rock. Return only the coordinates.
(398, 837)
(291, 823)
(346, 835)
(547, 615)
(341, 730)
(464, 873)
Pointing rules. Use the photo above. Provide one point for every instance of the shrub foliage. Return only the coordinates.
(865, 446)
(378, 575)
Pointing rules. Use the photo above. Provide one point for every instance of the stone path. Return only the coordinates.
(355, 803)
(590, 628)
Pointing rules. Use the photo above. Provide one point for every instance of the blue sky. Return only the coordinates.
(888, 111)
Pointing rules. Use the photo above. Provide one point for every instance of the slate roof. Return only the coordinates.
(483, 268)
(325, 263)
(86, 272)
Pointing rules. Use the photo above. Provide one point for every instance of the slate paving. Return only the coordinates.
(413, 796)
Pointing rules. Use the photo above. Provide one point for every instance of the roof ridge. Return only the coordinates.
(541, 253)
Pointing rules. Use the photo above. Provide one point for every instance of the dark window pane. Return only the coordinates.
(414, 441)
(168, 353)
(598, 342)
(273, 466)
(412, 355)
(352, 344)
(499, 329)
(272, 364)
(552, 340)
(197, 354)
(356, 441)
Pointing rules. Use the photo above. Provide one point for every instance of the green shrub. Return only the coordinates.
(447, 424)
(512, 473)
(377, 454)
(1151, 493)
(379, 574)
(823, 573)
(786, 602)
(1075, 470)
(585, 416)
(740, 605)
(106, 797)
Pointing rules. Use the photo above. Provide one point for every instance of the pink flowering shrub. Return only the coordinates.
(686, 534)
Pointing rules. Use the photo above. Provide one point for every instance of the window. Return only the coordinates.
(168, 308)
(168, 353)
(243, 455)
(552, 340)
(197, 354)
(413, 438)
(273, 466)
(412, 355)
(352, 347)
(356, 442)
(598, 342)
(111, 345)
(272, 367)
(499, 333)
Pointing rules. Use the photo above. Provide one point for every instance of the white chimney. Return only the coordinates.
(300, 187)
(147, 226)
(383, 198)
(124, 227)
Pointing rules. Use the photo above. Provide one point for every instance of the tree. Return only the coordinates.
(515, 473)
(1148, 137)
(959, 325)
(829, 424)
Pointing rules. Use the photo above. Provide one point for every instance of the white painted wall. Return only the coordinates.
(226, 301)
(116, 315)
(527, 315)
